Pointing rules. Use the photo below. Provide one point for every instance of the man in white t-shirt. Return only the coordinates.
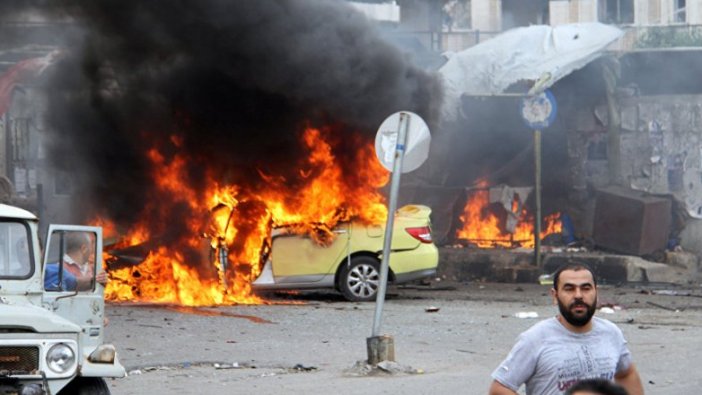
(556, 353)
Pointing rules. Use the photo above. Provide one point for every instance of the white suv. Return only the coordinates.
(51, 320)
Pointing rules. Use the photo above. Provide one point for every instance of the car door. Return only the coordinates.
(300, 259)
(83, 306)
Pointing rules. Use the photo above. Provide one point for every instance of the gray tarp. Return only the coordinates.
(531, 53)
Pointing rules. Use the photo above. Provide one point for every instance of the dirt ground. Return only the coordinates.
(309, 342)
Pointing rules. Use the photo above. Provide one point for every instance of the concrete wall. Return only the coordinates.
(661, 152)
(574, 11)
(694, 12)
(587, 165)
(646, 12)
(559, 12)
(666, 11)
(691, 237)
(587, 10)
(661, 144)
(486, 15)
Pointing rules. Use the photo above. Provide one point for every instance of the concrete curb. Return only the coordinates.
(515, 266)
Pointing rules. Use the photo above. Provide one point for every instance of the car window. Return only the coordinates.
(70, 262)
(16, 260)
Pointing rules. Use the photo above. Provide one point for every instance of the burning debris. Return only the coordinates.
(223, 119)
(497, 217)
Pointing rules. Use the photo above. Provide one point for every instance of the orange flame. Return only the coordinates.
(237, 220)
(483, 227)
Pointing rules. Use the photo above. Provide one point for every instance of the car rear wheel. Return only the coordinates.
(359, 281)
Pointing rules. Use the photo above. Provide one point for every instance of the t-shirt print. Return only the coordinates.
(583, 362)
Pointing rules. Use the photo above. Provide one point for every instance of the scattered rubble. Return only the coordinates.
(302, 368)
(234, 365)
(362, 369)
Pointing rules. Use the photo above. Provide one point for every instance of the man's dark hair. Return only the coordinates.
(599, 386)
(572, 266)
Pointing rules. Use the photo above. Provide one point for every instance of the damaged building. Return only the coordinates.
(658, 122)
(29, 44)
(621, 162)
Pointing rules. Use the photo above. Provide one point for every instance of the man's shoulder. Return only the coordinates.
(606, 325)
(51, 267)
(542, 328)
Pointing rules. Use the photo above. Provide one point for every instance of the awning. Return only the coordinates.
(535, 53)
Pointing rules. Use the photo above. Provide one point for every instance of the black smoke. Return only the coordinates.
(237, 80)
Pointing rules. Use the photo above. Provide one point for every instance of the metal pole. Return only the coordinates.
(402, 129)
(537, 176)
(40, 208)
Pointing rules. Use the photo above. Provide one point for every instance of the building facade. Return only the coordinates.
(498, 15)
(467, 22)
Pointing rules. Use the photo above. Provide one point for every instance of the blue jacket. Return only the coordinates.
(51, 278)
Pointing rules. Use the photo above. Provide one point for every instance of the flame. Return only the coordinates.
(184, 267)
(484, 228)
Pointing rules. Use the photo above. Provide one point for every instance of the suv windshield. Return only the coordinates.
(16, 260)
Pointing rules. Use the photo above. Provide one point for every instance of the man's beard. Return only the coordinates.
(576, 320)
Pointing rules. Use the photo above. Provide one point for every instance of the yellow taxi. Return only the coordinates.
(351, 262)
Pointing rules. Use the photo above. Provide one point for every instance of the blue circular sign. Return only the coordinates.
(539, 111)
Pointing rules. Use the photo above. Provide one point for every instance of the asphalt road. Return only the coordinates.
(310, 342)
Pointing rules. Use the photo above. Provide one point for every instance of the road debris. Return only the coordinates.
(302, 368)
(527, 314)
(663, 307)
(234, 365)
(155, 368)
(606, 310)
(670, 292)
(432, 309)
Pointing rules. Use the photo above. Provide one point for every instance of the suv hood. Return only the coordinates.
(34, 318)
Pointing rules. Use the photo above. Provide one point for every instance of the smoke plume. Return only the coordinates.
(235, 81)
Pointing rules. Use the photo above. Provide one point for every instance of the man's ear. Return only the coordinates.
(554, 295)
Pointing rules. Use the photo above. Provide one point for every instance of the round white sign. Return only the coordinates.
(416, 147)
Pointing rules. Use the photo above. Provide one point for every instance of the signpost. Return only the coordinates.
(538, 112)
(401, 145)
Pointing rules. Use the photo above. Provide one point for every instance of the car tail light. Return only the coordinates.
(422, 233)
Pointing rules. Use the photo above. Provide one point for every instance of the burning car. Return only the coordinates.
(51, 321)
(351, 261)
